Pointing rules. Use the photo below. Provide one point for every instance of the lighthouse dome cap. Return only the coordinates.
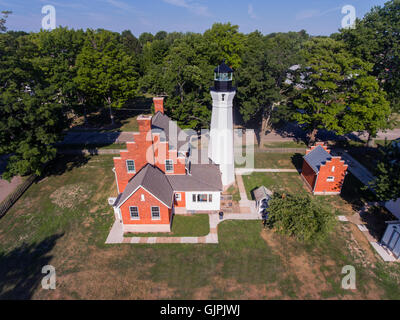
(223, 68)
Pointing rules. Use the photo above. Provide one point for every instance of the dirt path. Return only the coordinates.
(8, 187)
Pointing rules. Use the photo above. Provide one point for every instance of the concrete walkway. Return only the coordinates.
(96, 137)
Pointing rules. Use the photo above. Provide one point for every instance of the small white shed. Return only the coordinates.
(262, 195)
(391, 238)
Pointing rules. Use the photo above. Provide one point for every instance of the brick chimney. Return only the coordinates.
(144, 123)
(158, 104)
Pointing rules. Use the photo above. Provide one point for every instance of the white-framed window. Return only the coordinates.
(194, 197)
(155, 213)
(210, 198)
(142, 197)
(130, 166)
(178, 196)
(333, 169)
(134, 211)
(330, 179)
(169, 166)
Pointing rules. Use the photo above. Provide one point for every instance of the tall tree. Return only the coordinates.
(255, 85)
(106, 70)
(57, 53)
(329, 73)
(185, 77)
(225, 42)
(367, 108)
(31, 118)
(3, 20)
(131, 42)
(376, 39)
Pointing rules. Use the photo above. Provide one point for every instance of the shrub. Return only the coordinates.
(299, 216)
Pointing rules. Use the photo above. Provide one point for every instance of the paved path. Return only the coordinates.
(96, 137)
(7, 187)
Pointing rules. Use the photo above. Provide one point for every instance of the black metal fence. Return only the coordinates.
(15, 195)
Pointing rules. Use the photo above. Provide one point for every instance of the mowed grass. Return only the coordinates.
(351, 199)
(248, 263)
(130, 125)
(268, 160)
(182, 226)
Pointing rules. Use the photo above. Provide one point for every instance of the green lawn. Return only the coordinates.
(65, 219)
(182, 226)
(352, 196)
(234, 191)
(267, 160)
(130, 125)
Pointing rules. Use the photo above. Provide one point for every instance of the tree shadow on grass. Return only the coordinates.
(64, 163)
(375, 219)
(297, 160)
(353, 192)
(21, 269)
(100, 117)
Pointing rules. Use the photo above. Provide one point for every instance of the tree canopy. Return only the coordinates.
(335, 91)
(299, 216)
(31, 118)
(376, 39)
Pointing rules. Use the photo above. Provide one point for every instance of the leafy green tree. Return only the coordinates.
(261, 77)
(367, 108)
(387, 173)
(225, 42)
(256, 89)
(131, 42)
(31, 117)
(300, 216)
(323, 102)
(376, 39)
(3, 20)
(185, 78)
(145, 37)
(105, 70)
(161, 35)
(57, 53)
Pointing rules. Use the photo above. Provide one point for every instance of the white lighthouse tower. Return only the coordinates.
(220, 148)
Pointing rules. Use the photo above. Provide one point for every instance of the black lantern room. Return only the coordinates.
(223, 78)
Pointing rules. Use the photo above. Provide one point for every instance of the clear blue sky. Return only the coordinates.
(318, 17)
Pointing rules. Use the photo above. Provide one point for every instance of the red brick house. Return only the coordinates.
(156, 178)
(323, 173)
